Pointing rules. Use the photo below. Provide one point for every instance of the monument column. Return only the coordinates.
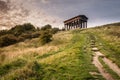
(86, 24)
(79, 23)
(74, 24)
(83, 24)
(67, 26)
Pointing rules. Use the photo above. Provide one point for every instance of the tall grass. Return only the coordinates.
(67, 57)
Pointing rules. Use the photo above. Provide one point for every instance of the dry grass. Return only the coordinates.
(25, 48)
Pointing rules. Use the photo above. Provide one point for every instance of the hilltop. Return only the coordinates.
(67, 57)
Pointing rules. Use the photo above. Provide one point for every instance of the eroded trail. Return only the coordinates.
(97, 63)
(112, 65)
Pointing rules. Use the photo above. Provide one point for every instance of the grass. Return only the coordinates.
(68, 61)
(72, 63)
(108, 43)
(6, 68)
(67, 57)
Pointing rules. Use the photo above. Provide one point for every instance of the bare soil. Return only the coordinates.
(97, 63)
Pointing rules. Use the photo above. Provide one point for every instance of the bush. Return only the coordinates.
(19, 29)
(7, 40)
(26, 36)
(4, 69)
(35, 34)
(3, 32)
(54, 30)
(33, 71)
(45, 37)
(63, 29)
(46, 27)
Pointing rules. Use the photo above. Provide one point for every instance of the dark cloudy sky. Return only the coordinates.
(54, 12)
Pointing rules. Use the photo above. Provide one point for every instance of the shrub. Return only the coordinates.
(19, 29)
(4, 69)
(3, 32)
(26, 36)
(33, 71)
(45, 37)
(54, 30)
(7, 40)
(46, 27)
(35, 34)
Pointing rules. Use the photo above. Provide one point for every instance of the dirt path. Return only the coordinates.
(112, 65)
(97, 63)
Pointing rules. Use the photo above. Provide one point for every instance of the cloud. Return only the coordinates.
(54, 12)
(21, 11)
(45, 1)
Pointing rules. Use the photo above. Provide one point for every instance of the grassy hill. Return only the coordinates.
(67, 57)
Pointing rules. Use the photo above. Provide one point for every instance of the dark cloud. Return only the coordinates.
(4, 7)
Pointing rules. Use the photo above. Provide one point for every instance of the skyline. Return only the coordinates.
(54, 12)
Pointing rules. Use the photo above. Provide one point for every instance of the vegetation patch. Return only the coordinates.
(4, 69)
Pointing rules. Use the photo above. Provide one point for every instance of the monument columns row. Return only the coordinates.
(76, 24)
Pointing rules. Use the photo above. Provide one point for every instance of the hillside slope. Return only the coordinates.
(67, 57)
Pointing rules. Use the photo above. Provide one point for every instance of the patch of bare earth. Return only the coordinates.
(97, 63)
(112, 65)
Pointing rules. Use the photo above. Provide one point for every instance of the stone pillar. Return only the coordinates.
(83, 24)
(86, 24)
(66, 27)
(79, 23)
(69, 25)
(74, 24)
